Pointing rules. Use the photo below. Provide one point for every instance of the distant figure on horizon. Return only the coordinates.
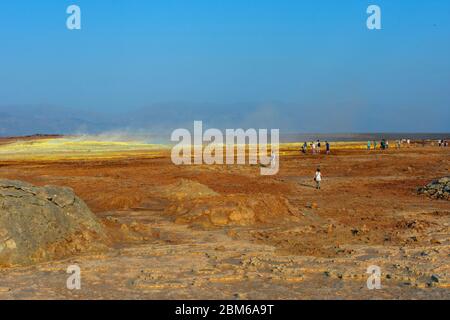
(318, 146)
(305, 147)
(327, 146)
(318, 178)
(273, 159)
(313, 147)
(368, 145)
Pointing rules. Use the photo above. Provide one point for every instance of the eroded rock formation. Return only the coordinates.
(44, 223)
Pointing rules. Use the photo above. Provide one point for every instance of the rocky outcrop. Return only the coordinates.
(437, 189)
(233, 210)
(44, 223)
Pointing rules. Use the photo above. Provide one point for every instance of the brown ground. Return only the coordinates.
(227, 232)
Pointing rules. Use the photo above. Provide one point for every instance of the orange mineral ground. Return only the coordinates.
(226, 232)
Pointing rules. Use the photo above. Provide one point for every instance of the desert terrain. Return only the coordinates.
(226, 232)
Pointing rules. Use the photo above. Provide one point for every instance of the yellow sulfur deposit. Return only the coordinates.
(76, 149)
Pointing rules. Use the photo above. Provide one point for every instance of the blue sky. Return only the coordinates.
(303, 66)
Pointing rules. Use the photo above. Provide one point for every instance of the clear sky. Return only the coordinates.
(302, 65)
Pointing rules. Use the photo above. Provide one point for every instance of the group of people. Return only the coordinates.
(443, 143)
(384, 144)
(316, 147)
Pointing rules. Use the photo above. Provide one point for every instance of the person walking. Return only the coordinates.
(318, 178)
(327, 146)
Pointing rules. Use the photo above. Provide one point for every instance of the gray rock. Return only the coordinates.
(444, 180)
(438, 189)
(44, 223)
(435, 278)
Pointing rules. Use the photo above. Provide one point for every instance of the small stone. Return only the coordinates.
(365, 229)
(444, 180)
(435, 278)
(312, 205)
(10, 244)
(240, 296)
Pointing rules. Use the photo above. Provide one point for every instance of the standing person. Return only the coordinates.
(398, 144)
(318, 146)
(313, 147)
(387, 144)
(374, 145)
(304, 147)
(327, 146)
(368, 145)
(318, 178)
(273, 159)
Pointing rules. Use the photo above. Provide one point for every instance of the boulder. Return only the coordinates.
(44, 223)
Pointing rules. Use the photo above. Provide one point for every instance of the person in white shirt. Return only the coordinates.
(318, 178)
(273, 159)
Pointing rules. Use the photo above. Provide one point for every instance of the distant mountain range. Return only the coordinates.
(161, 119)
(18, 121)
